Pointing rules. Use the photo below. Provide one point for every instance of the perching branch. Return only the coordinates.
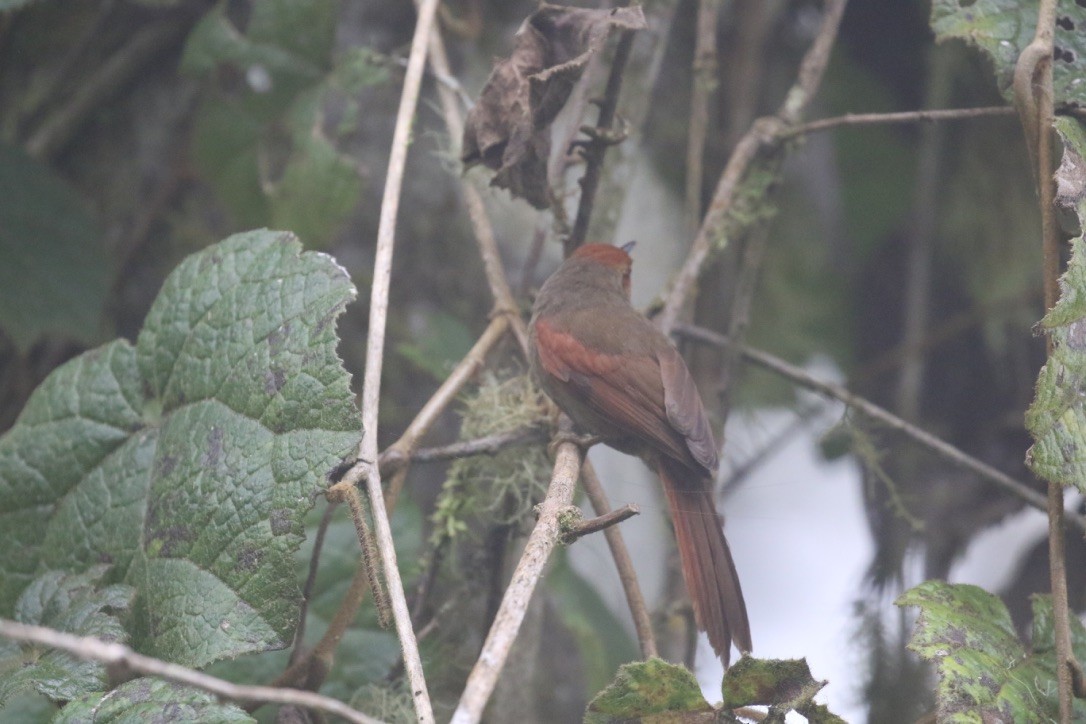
(544, 537)
(119, 656)
(764, 133)
(940, 447)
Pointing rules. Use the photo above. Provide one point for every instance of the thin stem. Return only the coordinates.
(489, 445)
(402, 451)
(311, 580)
(873, 411)
(596, 148)
(375, 349)
(600, 522)
(866, 119)
(704, 75)
(119, 656)
(763, 132)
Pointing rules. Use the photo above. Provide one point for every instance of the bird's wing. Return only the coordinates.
(684, 409)
(643, 397)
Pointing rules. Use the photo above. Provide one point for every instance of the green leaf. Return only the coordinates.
(55, 275)
(1057, 417)
(1003, 28)
(189, 460)
(74, 603)
(984, 670)
(644, 689)
(145, 700)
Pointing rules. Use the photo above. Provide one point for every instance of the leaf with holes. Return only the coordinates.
(188, 461)
(149, 700)
(1057, 417)
(1002, 28)
(985, 672)
(75, 603)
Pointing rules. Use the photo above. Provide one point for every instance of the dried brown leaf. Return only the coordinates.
(508, 130)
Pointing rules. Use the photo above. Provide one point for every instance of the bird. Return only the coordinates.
(618, 378)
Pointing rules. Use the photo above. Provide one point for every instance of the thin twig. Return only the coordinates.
(864, 119)
(119, 656)
(311, 580)
(870, 409)
(601, 522)
(545, 535)
(489, 445)
(705, 80)
(375, 350)
(1033, 97)
(763, 132)
(593, 488)
(596, 148)
(397, 455)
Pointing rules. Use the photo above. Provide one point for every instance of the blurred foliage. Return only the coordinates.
(276, 105)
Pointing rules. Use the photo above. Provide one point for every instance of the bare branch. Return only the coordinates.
(489, 445)
(870, 409)
(764, 132)
(602, 522)
(705, 70)
(545, 535)
(866, 119)
(117, 655)
(595, 149)
(375, 350)
(397, 455)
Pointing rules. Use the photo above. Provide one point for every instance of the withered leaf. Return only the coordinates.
(508, 130)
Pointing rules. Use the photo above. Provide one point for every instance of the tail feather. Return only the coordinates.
(708, 569)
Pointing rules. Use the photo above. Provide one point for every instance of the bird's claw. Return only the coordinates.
(580, 440)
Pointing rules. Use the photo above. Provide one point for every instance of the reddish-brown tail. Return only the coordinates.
(707, 564)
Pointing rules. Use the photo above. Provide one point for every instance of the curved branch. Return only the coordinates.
(115, 655)
(544, 537)
(765, 132)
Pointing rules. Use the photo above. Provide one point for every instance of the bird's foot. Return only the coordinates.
(579, 439)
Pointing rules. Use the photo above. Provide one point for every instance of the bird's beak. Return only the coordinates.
(628, 246)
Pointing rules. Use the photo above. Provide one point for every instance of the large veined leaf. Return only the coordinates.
(75, 603)
(985, 672)
(187, 462)
(1002, 28)
(1057, 417)
(149, 700)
